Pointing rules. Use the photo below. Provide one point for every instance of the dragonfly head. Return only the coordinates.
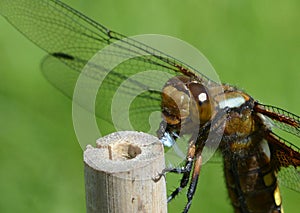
(185, 104)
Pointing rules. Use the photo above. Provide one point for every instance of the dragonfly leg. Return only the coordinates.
(177, 170)
(193, 184)
(186, 170)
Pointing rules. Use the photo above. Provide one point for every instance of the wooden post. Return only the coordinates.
(119, 174)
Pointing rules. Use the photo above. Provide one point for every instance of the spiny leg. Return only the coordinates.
(186, 170)
(194, 181)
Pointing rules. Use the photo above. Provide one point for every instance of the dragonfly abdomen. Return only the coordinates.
(251, 179)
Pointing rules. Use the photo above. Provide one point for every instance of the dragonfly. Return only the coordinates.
(256, 159)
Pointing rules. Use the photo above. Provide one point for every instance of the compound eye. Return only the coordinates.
(199, 93)
(175, 101)
(203, 108)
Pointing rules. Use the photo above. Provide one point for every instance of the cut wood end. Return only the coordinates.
(123, 151)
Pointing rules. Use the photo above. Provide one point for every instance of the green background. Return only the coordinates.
(254, 45)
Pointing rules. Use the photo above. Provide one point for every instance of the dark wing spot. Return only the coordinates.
(63, 56)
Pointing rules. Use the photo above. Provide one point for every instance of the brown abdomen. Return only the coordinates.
(251, 179)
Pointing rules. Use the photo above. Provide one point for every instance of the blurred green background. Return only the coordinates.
(254, 45)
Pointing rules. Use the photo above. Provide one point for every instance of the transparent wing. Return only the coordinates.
(73, 39)
(67, 34)
(281, 118)
(290, 177)
(145, 99)
(286, 159)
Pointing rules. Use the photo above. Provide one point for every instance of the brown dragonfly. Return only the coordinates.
(256, 159)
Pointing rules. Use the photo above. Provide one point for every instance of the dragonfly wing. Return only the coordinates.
(281, 118)
(290, 177)
(286, 159)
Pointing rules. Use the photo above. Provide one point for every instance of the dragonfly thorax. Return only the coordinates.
(239, 112)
